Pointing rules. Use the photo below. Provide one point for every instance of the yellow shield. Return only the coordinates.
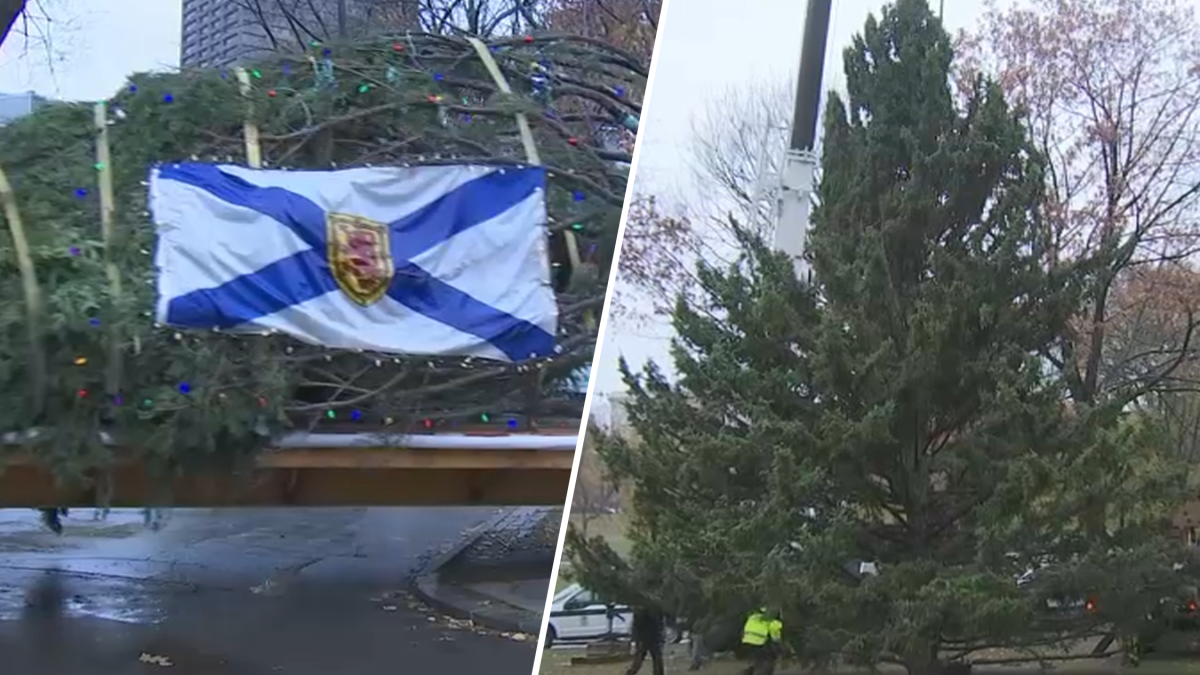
(360, 256)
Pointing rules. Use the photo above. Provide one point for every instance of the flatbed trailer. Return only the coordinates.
(331, 469)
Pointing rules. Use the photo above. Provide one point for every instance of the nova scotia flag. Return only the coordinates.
(445, 260)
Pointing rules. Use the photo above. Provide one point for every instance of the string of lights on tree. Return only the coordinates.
(407, 101)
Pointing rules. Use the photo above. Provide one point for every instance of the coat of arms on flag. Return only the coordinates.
(443, 260)
(360, 257)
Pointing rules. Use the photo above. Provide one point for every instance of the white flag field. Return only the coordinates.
(439, 260)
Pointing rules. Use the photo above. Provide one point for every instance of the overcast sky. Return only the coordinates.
(91, 47)
(704, 50)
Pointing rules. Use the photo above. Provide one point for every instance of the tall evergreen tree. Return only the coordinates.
(894, 411)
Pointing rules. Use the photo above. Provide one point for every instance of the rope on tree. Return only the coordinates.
(190, 398)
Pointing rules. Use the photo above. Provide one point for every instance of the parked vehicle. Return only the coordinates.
(577, 615)
(1173, 627)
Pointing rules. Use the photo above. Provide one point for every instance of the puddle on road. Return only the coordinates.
(58, 594)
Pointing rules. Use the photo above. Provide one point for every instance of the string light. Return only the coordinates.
(357, 415)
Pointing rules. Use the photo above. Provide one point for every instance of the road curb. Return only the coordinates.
(473, 535)
(464, 603)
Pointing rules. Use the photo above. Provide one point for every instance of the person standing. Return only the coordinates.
(648, 637)
(52, 518)
(762, 636)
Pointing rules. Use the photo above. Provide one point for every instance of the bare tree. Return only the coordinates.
(629, 24)
(1112, 92)
(1151, 311)
(595, 493)
(39, 25)
(288, 24)
(738, 145)
(657, 255)
(484, 18)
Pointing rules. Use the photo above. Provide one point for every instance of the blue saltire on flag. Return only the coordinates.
(444, 260)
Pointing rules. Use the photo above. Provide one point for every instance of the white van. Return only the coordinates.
(576, 615)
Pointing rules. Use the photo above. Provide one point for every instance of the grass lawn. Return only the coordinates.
(610, 526)
(558, 662)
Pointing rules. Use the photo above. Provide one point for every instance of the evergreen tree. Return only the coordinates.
(894, 411)
(89, 359)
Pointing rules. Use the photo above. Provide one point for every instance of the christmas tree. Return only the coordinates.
(82, 362)
(894, 411)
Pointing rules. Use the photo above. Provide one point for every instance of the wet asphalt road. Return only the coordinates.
(236, 592)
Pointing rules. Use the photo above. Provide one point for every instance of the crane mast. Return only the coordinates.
(800, 164)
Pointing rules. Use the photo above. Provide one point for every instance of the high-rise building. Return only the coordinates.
(223, 32)
(13, 106)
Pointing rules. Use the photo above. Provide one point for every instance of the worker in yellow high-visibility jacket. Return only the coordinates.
(762, 637)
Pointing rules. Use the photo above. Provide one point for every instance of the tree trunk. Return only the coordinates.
(927, 663)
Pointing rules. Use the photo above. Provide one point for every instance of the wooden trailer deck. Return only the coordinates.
(339, 470)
